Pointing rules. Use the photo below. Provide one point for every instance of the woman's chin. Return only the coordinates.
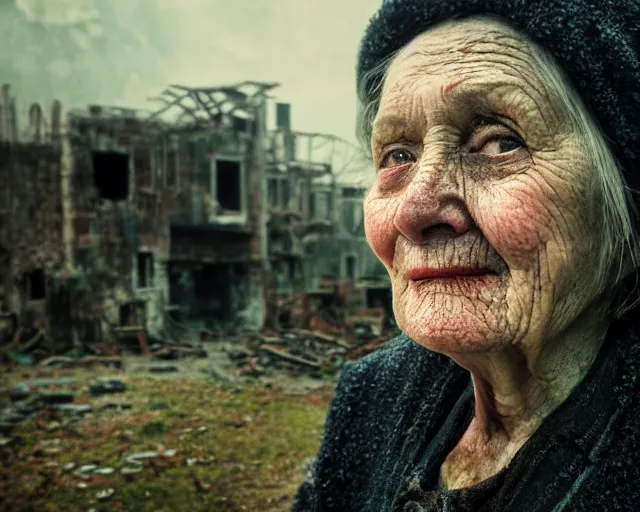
(451, 332)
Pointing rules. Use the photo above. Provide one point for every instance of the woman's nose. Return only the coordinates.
(430, 202)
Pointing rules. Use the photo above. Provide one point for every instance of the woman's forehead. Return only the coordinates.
(465, 46)
(480, 61)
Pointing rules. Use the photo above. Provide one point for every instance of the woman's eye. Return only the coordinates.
(396, 158)
(500, 145)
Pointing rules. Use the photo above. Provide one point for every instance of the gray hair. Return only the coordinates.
(619, 245)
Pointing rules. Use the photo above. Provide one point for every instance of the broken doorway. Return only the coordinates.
(210, 295)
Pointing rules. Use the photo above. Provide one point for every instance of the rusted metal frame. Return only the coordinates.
(177, 100)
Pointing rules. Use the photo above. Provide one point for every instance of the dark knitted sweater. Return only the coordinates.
(400, 411)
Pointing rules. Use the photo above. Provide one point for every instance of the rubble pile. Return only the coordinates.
(51, 402)
(95, 355)
(297, 351)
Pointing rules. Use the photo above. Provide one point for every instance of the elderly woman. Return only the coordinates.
(505, 139)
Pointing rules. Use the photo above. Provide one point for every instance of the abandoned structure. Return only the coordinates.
(193, 217)
(324, 272)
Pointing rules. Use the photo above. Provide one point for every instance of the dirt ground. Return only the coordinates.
(188, 440)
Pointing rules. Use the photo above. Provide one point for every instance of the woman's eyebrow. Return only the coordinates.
(521, 108)
(389, 125)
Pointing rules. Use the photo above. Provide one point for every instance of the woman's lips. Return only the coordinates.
(423, 273)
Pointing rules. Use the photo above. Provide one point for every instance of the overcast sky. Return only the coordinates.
(124, 51)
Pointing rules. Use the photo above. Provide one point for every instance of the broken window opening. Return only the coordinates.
(132, 314)
(272, 192)
(158, 165)
(291, 269)
(352, 192)
(286, 193)
(111, 174)
(35, 285)
(353, 217)
(239, 124)
(320, 205)
(228, 185)
(142, 167)
(351, 267)
(172, 168)
(145, 270)
(202, 162)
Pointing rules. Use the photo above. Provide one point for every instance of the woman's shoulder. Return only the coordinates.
(386, 382)
(376, 403)
(395, 365)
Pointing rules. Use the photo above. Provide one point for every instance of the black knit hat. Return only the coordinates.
(596, 42)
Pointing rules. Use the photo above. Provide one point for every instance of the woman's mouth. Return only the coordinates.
(428, 273)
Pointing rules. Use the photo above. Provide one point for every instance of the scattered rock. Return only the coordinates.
(105, 494)
(53, 425)
(200, 460)
(107, 385)
(82, 485)
(202, 429)
(74, 408)
(116, 405)
(59, 397)
(19, 392)
(163, 368)
(69, 466)
(137, 458)
(104, 471)
(12, 416)
(170, 453)
(130, 470)
(43, 383)
(85, 471)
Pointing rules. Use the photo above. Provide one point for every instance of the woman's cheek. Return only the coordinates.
(379, 227)
(515, 221)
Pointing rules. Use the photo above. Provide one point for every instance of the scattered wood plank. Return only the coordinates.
(322, 336)
(283, 354)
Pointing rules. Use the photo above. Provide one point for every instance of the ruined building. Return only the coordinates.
(325, 275)
(190, 218)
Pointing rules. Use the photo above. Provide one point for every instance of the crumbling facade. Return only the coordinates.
(191, 218)
(325, 275)
(31, 221)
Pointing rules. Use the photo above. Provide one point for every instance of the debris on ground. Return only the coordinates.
(173, 352)
(105, 494)
(106, 385)
(298, 351)
(163, 368)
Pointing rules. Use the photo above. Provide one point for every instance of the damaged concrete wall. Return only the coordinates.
(31, 255)
(318, 251)
(195, 220)
(218, 219)
(119, 189)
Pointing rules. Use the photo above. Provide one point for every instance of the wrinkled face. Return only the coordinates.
(483, 200)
